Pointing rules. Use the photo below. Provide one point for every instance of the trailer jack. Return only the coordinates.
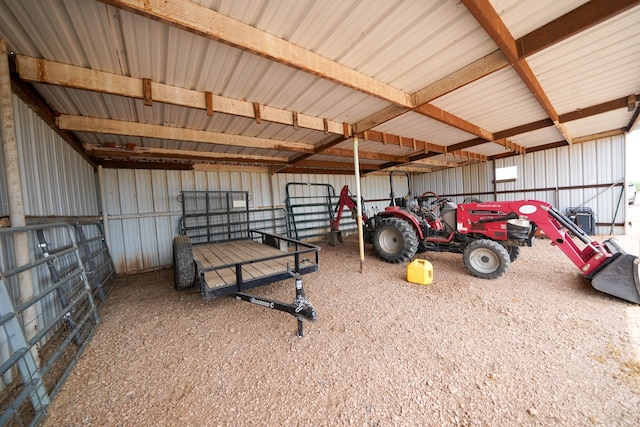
(301, 308)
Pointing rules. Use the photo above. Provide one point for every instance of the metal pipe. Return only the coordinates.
(103, 203)
(356, 167)
(14, 197)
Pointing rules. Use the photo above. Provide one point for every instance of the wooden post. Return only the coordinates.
(356, 167)
(15, 197)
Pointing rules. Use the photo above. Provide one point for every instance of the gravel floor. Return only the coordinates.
(537, 347)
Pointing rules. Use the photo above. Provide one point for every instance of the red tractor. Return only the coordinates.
(489, 236)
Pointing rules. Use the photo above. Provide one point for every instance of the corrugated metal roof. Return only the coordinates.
(598, 65)
(496, 102)
(538, 137)
(361, 60)
(522, 17)
(591, 125)
(414, 125)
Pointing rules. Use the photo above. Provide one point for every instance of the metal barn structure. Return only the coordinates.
(111, 108)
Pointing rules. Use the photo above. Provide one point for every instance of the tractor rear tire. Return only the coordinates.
(395, 240)
(514, 252)
(486, 259)
(184, 269)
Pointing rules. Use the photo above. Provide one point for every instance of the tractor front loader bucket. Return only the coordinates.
(620, 277)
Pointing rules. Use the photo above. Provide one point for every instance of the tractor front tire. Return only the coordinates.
(514, 252)
(184, 269)
(486, 259)
(395, 240)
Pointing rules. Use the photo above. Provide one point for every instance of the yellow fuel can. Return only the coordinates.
(420, 271)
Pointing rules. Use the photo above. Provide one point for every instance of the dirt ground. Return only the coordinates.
(537, 347)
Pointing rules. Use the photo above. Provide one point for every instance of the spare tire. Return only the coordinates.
(184, 269)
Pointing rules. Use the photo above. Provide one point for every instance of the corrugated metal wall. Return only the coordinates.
(579, 175)
(144, 210)
(56, 180)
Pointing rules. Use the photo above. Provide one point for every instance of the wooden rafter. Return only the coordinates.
(597, 109)
(197, 19)
(117, 127)
(346, 166)
(489, 19)
(143, 152)
(571, 23)
(482, 67)
(56, 73)
(511, 146)
(451, 120)
(366, 155)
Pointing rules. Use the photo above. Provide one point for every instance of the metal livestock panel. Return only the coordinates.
(144, 210)
(56, 180)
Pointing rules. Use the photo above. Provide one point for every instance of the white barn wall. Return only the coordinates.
(144, 211)
(545, 175)
(56, 180)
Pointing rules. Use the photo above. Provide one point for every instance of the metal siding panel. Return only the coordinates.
(126, 191)
(144, 191)
(174, 186)
(117, 245)
(147, 229)
(164, 233)
(160, 192)
(132, 245)
(56, 180)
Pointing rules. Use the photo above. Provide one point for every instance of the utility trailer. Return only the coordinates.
(219, 252)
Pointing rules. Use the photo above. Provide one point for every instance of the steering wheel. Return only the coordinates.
(430, 193)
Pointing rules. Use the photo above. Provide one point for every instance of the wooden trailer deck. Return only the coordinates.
(233, 266)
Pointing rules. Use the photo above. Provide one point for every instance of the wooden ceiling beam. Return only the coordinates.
(25, 91)
(366, 155)
(388, 138)
(205, 22)
(580, 19)
(56, 73)
(319, 171)
(348, 166)
(489, 19)
(126, 164)
(117, 127)
(146, 152)
(605, 107)
(599, 135)
(476, 70)
(571, 23)
(442, 116)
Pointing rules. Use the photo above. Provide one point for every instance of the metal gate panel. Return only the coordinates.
(34, 365)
